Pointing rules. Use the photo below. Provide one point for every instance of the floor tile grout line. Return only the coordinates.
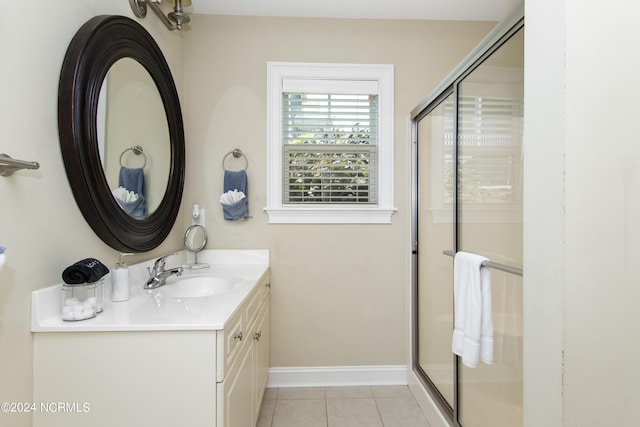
(375, 399)
(326, 410)
(276, 396)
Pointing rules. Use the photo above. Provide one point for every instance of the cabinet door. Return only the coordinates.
(261, 356)
(235, 393)
(229, 344)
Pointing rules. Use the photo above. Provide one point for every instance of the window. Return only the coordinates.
(330, 143)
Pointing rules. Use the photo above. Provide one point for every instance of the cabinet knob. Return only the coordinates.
(257, 336)
(238, 336)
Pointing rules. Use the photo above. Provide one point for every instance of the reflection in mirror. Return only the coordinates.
(195, 239)
(131, 114)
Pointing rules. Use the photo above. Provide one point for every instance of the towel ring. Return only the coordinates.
(137, 150)
(236, 153)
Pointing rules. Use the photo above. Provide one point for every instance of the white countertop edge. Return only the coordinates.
(45, 303)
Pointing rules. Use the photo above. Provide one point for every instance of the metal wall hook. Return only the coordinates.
(8, 165)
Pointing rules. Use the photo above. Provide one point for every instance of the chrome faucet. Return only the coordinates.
(158, 275)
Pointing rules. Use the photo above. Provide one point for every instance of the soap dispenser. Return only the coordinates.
(120, 280)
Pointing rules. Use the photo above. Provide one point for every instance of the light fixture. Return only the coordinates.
(173, 21)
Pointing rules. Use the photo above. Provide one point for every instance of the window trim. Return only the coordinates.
(279, 213)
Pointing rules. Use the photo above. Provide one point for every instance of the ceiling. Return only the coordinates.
(474, 10)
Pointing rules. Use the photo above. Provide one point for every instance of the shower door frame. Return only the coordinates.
(491, 43)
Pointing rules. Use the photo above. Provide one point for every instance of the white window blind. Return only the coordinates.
(330, 143)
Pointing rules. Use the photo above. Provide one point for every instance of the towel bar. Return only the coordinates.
(8, 165)
(491, 264)
(137, 150)
(236, 153)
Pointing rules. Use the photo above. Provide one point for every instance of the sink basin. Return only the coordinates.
(183, 298)
(198, 286)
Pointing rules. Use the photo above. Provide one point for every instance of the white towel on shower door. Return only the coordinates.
(473, 328)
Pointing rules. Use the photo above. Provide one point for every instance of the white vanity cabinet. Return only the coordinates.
(242, 373)
(200, 377)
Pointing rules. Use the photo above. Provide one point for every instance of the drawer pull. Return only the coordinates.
(257, 336)
(238, 336)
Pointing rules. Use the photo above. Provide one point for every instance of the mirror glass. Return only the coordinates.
(133, 138)
(195, 238)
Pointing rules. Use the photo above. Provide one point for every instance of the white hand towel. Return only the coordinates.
(473, 328)
(231, 197)
(125, 196)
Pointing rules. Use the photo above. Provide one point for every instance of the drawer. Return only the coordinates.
(251, 308)
(229, 343)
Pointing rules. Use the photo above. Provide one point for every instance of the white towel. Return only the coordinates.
(473, 329)
(125, 196)
(231, 197)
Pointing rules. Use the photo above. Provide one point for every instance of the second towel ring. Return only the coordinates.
(137, 150)
(236, 153)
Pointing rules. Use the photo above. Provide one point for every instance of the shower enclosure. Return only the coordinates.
(468, 197)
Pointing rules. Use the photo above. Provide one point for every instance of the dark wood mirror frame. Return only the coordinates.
(97, 45)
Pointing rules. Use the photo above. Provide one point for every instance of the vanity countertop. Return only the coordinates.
(143, 312)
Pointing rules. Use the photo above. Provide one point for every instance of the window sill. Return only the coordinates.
(329, 215)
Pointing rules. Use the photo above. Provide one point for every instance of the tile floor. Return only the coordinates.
(376, 406)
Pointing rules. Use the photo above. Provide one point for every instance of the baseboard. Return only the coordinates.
(326, 376)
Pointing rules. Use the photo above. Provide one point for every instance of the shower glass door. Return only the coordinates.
(490, 119)
(468, 197)
(436, 233)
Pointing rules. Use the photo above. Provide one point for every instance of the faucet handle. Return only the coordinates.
(163, 259)
(158, 265)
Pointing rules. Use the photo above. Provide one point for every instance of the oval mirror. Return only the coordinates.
(102, 45)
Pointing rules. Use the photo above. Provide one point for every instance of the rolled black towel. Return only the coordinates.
(86, 271)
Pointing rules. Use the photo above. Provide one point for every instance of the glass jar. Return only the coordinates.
(79, 301)
(99, 295)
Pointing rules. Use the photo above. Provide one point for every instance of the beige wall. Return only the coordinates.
(582, 212)
(602, 163)
(39, 220)
(339, 292)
